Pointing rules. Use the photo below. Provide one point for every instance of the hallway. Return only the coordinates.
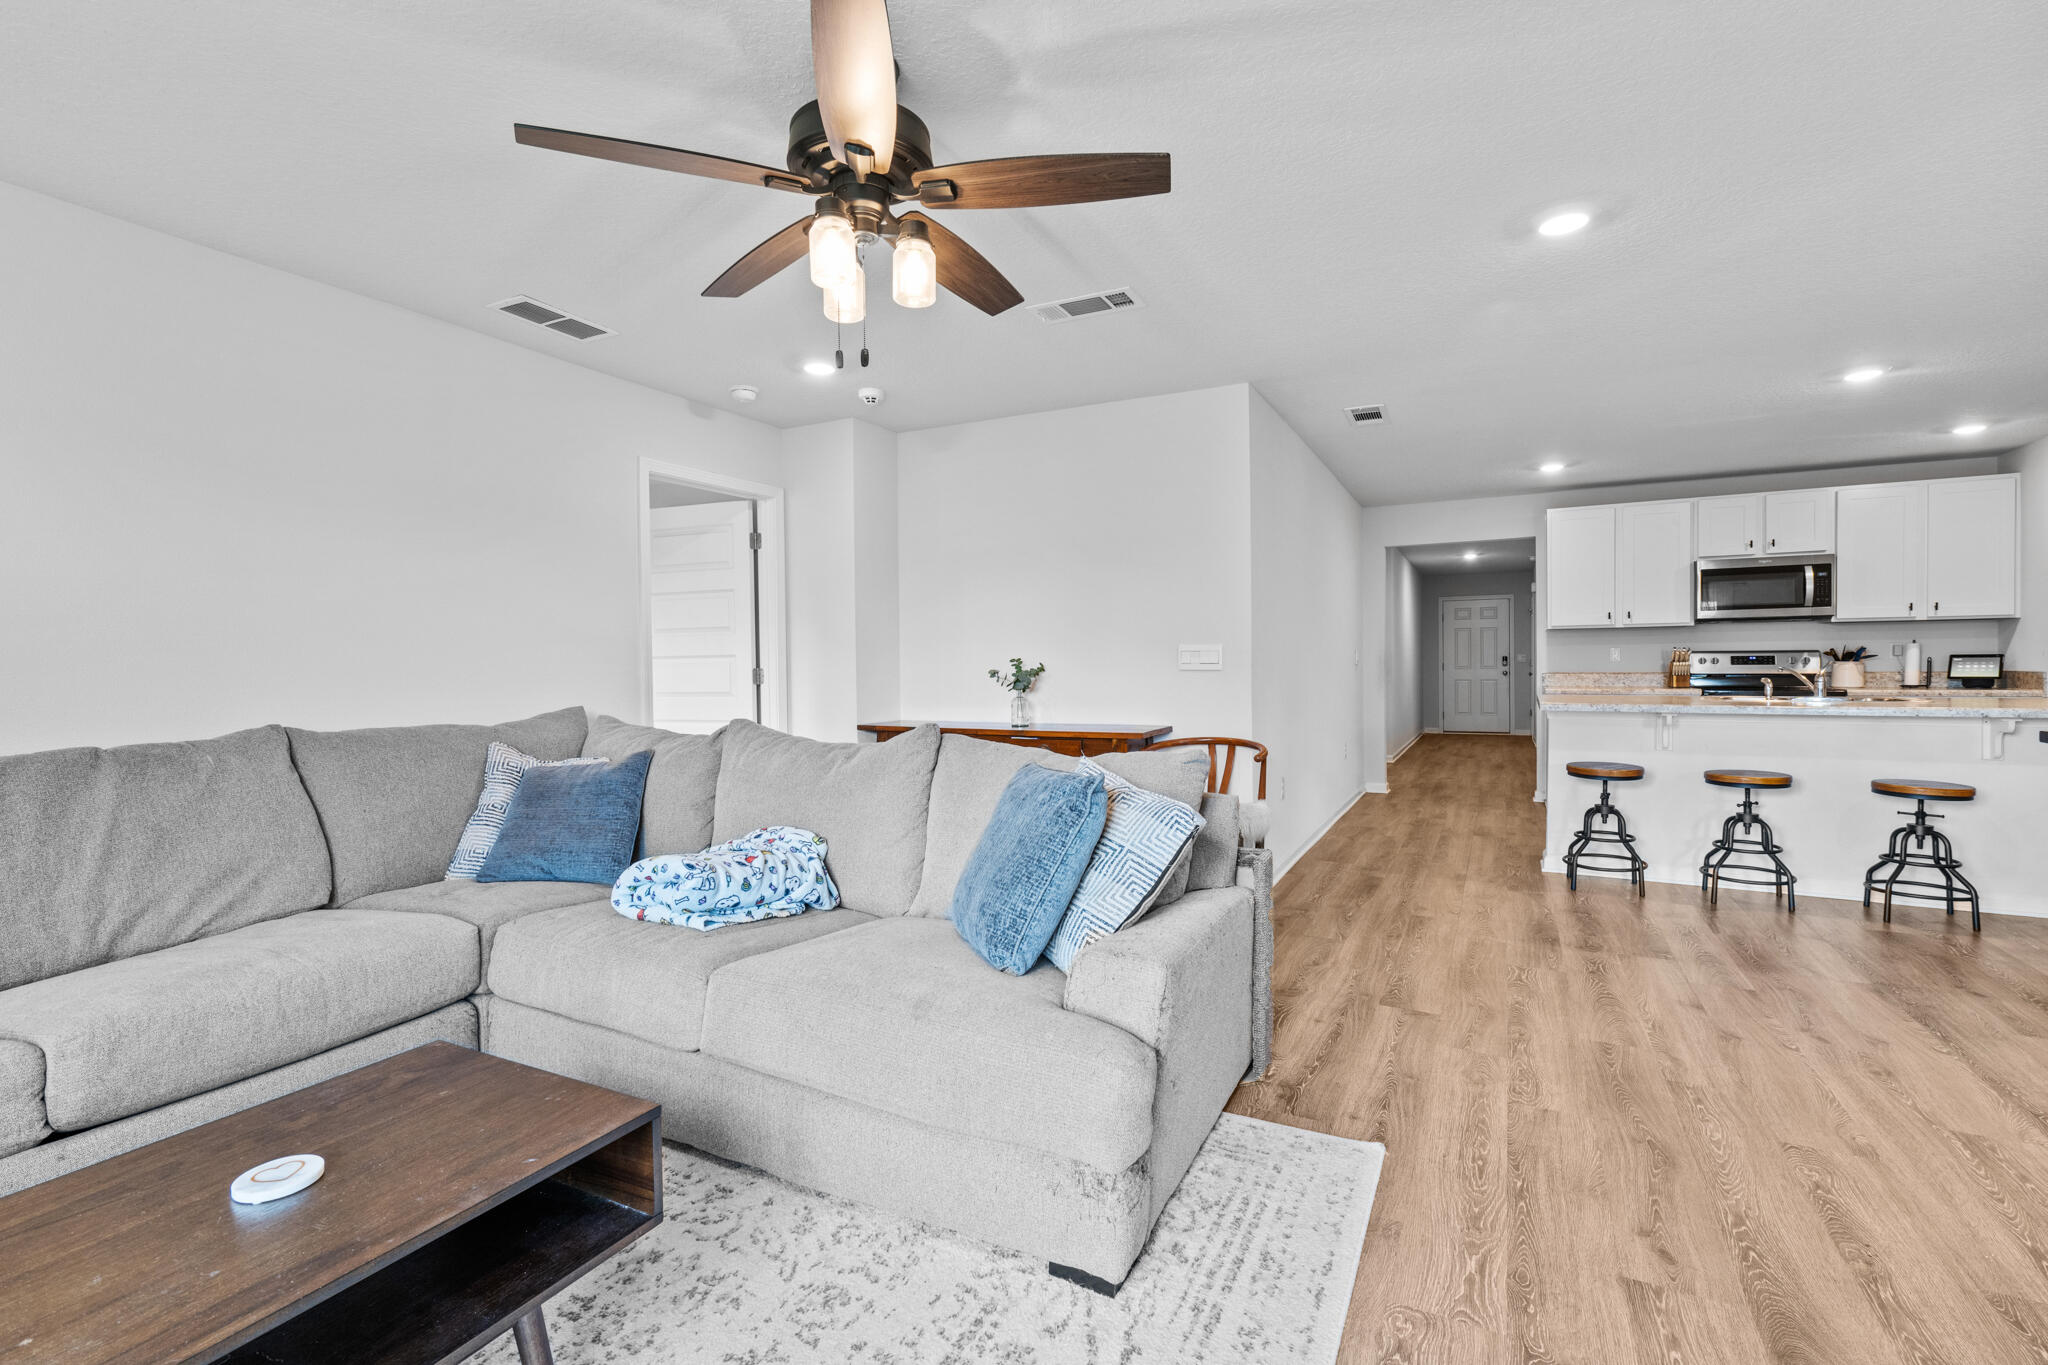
(1623, 1130)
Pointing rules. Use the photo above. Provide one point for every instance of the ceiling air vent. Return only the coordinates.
(554, 319)
(1066, 310)
(1370, 413)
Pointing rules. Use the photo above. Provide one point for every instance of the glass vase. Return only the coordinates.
(1020, 711)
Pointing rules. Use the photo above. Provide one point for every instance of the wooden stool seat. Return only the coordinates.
(1602, 770)
(1923, 789)
(1747, 777)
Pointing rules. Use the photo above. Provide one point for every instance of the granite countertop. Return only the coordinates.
(1953, 703)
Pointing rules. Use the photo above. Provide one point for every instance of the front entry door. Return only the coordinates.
(701, 607)
(1478, 638)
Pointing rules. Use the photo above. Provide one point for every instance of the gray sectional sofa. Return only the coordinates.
(190, 929)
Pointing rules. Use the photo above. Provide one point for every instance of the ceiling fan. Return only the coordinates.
(859, 154)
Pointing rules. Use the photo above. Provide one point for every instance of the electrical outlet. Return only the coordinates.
(1283, 789)
(1898, 651)
(1614, 656)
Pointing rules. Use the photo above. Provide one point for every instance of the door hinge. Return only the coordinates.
(760, 676)
(753, 540)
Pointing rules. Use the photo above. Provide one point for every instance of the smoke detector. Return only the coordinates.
(744, 393)
(554, 319)
(872, 396)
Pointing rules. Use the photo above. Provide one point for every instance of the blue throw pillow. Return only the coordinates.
(570, 824)
(1023, 872)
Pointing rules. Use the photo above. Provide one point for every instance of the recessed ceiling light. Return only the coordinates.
(1864, 374)
(1564, 224)
(1551, 467)
(1969, 429)
(1471, 554)
(820, 368)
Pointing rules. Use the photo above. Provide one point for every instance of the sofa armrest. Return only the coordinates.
(1183, 970)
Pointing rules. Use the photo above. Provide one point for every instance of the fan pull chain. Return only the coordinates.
(863, 341)
(838, 346)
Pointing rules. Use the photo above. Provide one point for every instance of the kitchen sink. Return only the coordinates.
(1811, 702)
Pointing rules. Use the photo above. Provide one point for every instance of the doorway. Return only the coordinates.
(711, 609)
(1476, 640)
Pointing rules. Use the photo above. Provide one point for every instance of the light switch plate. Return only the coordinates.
(1201, 658)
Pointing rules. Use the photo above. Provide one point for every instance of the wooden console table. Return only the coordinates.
(1071, 737)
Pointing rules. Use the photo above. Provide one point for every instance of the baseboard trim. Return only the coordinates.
(1395, 756)
(1281, 869)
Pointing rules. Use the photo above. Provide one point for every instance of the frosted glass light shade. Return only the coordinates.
(848, 303)
(833, 257)
(915, 272)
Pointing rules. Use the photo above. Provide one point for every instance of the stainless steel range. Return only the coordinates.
(1758, 672)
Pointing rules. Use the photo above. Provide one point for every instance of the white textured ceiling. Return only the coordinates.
(1492, 556)
(1783, 190)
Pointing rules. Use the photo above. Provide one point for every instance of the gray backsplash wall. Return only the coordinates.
(1648, 649)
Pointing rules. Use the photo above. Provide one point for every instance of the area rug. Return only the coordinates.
(1252, 1260)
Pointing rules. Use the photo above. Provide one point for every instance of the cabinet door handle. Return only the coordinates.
(1610, 616)
(1774, 542)
(1632, 615)
(1937, 606)
(1752, 545)
(1909, 606)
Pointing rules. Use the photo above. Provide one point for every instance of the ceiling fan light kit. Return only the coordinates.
(914, 268)
(861, 154)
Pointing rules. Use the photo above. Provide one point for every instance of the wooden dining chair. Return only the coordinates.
(1254, 817)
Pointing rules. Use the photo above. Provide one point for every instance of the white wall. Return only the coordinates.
(1399, 654)
(1307, 698)
(1428, 658)
(2025, 641)
(841, 483)
(229, 495)
(1094, 540)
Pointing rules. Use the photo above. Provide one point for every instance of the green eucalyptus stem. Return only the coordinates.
(1020, 678)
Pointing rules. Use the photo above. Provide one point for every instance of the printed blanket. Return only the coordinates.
(764, 875)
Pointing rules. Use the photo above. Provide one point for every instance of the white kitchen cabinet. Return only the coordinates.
(1579, 554)
(1799, 522)
(1880, 551)
(1973, 546)
(1730, 527)
(1653, 561)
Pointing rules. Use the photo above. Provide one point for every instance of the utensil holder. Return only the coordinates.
(1846, 673)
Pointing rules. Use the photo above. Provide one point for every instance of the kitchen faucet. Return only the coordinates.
(1767, 691)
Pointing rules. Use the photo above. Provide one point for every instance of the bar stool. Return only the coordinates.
(1941, 856)
(1593, 830)
(1762, 845)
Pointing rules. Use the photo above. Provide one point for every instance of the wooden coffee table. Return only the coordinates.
(461, 1192)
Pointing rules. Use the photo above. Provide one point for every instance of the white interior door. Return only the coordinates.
(1477, 640)
(701, 606)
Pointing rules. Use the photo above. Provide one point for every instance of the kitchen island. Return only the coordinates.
(1831, 825)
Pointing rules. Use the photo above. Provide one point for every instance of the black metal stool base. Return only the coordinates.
(1940, 856)
(1593, 830)
(1761, 851)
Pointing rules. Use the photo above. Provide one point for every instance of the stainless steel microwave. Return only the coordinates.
(1752, 589)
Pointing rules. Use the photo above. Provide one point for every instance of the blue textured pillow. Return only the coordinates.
(1023, 872)
(570, 824)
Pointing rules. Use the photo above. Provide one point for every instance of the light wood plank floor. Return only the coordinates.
(1623, 1130)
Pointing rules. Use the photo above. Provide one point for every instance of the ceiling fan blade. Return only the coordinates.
(660, 158)
(1019, 182)
(856, 69)
(966, 271)
(773, 256)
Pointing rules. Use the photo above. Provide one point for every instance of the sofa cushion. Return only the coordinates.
(1215, 858)
(393, 802)
(969, 779)
(22, 1121)
(901, 1016)
(490, 906)
(869, 801)
(675, 816)
(105, 853)
(127, 1036)
(590, 963)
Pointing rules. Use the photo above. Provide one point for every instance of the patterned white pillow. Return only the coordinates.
(503, 767)
(1146, 837)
